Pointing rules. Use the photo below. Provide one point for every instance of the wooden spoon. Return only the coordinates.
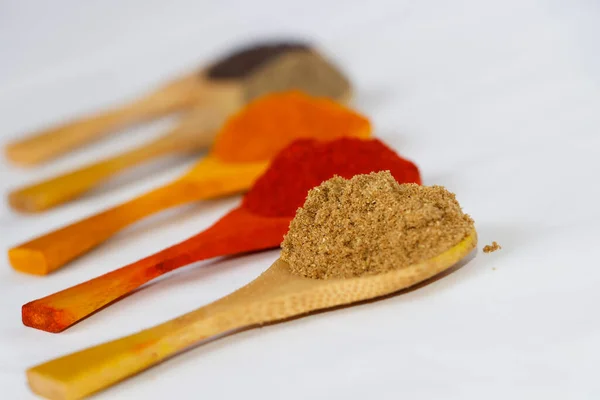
(224, 76)
(210, 178)
(301, 70)
(186, 138)
(237, 232)
(275, 295)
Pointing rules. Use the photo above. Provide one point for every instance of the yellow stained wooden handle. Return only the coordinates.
(51, 143)
(212, 179)
(63, 188)
(275, 295)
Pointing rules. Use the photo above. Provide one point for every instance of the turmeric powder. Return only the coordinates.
(270, 123)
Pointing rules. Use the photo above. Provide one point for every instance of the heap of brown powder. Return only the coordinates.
(369, 225)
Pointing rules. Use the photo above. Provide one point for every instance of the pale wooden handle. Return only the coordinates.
(54, 142)
(63, 188)
(46, 253)
(49, 144)
(93, 369)
(90, 370)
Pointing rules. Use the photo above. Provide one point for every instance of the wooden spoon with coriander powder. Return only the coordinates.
(289, 289)
(298, 69)
(259, 223)
(241, 152)
(224, 77)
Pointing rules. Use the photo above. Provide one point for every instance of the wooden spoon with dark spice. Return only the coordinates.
(295, 69)
(224, 83)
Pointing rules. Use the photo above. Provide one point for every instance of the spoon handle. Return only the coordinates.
(63, 188)
(237, 232)
(209, 179)
(51, 143)
(47, 253)
(79, 374)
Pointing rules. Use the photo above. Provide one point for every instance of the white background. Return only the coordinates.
(499, 101)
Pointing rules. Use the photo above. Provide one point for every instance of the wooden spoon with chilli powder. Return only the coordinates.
(225, 77)
(259, 223)
(295, 69)
(241, 153)
(275, 295)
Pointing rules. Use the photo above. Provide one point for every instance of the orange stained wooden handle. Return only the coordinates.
(49, 252)
(237, 232)
(53, 142)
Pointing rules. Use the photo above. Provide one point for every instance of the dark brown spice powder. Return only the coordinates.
(245, 60)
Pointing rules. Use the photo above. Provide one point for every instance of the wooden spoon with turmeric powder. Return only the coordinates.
(224, 78)
(295, 69)
(284, 290)
(240, 154)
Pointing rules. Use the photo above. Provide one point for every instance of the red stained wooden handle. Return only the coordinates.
(237, 232)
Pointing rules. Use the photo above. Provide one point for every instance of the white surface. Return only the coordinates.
(499, 101)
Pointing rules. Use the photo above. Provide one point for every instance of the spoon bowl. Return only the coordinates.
(277, 294)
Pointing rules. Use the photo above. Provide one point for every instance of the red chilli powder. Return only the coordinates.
(306, 163)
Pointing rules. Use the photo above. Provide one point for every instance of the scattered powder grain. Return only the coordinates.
(371, 224)
(490, 248)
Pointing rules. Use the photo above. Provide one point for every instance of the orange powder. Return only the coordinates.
(270, 123)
